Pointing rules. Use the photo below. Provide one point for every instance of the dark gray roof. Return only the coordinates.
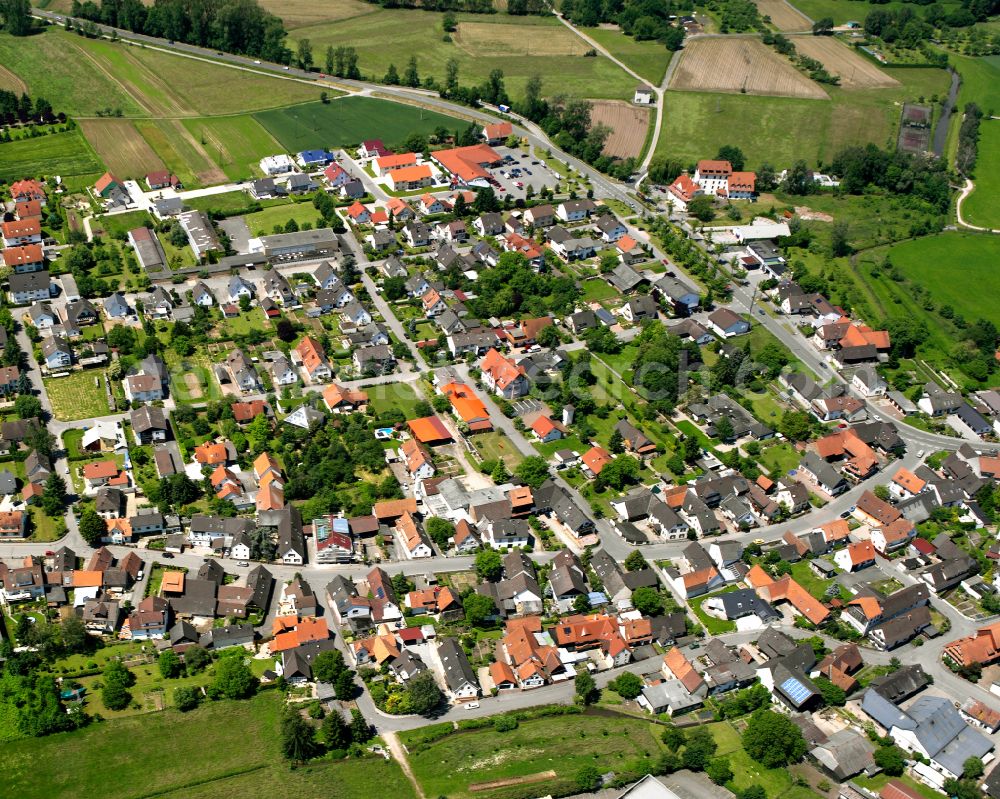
(457, 669)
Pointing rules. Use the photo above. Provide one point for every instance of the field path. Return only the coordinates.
(399, 753)
(658, 90)
(967, 189)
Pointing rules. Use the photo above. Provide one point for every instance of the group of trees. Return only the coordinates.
(903, 25)
(232, 26)
(342, 62)
(15, 17)
(657, 366)
(331, 457)
(23, 109)
(467, 6)
(300, 741)
(642, 19)
(513, 289)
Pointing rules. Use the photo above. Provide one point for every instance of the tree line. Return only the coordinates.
(968, 140)
(232, 26)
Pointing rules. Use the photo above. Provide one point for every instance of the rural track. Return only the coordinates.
(399, 754)
(967, 189)
(658, 90)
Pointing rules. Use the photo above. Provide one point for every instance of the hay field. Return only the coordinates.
(783, 16)
(741, 66)
(121, 147)
(498, 39)
(855, 71)
(629, 124)
(299, 13)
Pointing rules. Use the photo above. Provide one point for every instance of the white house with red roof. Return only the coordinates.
(682, 191)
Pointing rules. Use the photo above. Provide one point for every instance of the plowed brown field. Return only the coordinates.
(628, 123)
(741, 65)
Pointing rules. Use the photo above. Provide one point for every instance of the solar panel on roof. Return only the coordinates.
(795, 690)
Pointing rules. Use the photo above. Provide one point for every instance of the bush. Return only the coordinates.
(505, 723)
(186, 698)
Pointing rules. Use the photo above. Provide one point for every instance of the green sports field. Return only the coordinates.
(958, 269)
(982, 207)
(348, 121)
(66, 154)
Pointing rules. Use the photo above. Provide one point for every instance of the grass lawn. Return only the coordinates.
(746, 772)
(712, 625)
(597, 290)
(701, 122)
(66, 154)
(492, 446)
(230, 202)
(561, 744)
(649, 58)
(807, 578)
(91, 762)
(236, 144)
(80, 395)
(982, 207)
(979, 81)
(261, 223)
(115, 224)
(348, 121)
(520, 46)
(949, 264)
(402, 396)
(779, 459)
(245, 322)
(44, 528)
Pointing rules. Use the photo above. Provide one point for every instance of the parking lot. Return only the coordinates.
(526, 406)
(523, 169)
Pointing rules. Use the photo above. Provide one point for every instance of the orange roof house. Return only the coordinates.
(595, 459)
(21, 256)
(742, 183)
(265, 463)
(497, 131)
(388, 163)
(392, 509)
(172, 583)
(429, 430)
(467, 406)
(679, 667)
(88, 579)
(417, 173)
(786, 589)
(290, 632)
(835, 532)
(311, 353)
(417, 457)
(101, 470)
(982, 647)
(908, 482)
(797, 596)
(467, 163)
(340, 398)
(500, 372)
(211, 453)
